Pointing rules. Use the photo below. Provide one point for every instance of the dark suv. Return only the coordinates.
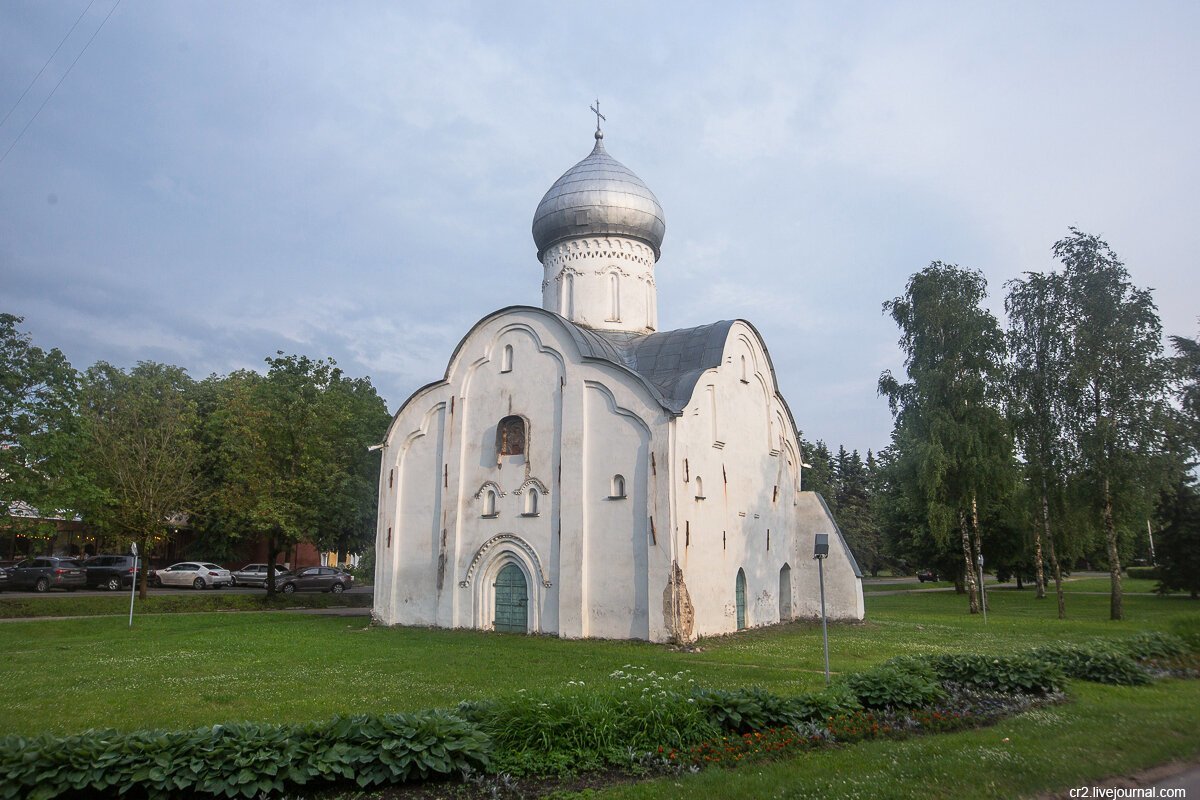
(47, 572)
(111, 572)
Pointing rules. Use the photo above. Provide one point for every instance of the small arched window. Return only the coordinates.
(617, 491)
(745, 376)
(489, 503)
(699, 488)
(531, 502)
(510, 436)
(614, 296)
(506, 360)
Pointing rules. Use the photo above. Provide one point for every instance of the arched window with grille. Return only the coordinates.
(511, 436)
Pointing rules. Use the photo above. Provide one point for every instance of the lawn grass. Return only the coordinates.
(178, 671)
(117, 604)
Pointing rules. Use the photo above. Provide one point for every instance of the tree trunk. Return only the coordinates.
(969, 577)
(1041, 574)
(272, 552)
(1114, 557)
(1058, 590)
(978, 549)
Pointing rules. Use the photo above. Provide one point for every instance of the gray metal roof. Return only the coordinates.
(599, 196)
(670, 362)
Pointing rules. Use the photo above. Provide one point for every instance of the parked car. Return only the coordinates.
(3, 579)
(111, 572)
(47, 572)
(317, 579)
(256, 575)
(927, 575)
(197, 574)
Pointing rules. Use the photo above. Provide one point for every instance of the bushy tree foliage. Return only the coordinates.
(142, 451)
(954, 442)
(39, 429)
(1115, 391)
(291, 461)
(1039, 348)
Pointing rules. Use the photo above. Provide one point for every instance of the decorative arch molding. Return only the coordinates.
(423, 430)
(535, 483)
(616, 408)
(501, 543)
(610, 269)
(567, 271)
(495, 487)
(492, 349)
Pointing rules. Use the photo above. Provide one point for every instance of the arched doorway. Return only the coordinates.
(741, 600)
(785, 593)
(512, 601)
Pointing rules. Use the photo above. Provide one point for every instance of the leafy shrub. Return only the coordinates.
(748, 710)
(1096, 662)
(1144, 573)
(566, 732)
(243, 759)
(1152, 644)
(1011, 674)
(892, 686)
(1188, 629)
(820, 706)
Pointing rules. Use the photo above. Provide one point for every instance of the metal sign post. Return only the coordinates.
(820, 551)
(133, 588)
(982, 595)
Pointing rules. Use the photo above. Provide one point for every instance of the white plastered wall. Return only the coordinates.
(737, 439)
(588, 560)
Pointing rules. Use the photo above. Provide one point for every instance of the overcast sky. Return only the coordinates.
(215, 181)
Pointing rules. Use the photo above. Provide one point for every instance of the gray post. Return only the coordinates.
(820, 551)
(824, 619)
(982, 595)
(133, 588)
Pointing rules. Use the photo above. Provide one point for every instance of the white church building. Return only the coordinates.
(579, 472)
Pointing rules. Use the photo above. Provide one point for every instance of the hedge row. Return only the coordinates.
(243, 760)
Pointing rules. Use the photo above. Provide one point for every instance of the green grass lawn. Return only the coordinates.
(183, 670)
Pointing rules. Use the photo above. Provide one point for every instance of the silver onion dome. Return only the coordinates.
(599, 196)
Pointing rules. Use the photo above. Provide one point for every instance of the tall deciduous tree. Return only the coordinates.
(953, 434)
(142, 449)
(1039, 348)
(292, 460)
(1187, 364)
(1117, 388)
(39, 427)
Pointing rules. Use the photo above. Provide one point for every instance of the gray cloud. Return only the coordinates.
(215, 182)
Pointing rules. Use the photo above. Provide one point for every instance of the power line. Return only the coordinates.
(60, 81)
(48, 60)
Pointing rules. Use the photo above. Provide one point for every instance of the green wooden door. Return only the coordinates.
(741, 600)
(512, 614)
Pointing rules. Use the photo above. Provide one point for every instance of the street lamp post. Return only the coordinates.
(820, 552)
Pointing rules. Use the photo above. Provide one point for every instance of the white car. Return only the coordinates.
(196, 574)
